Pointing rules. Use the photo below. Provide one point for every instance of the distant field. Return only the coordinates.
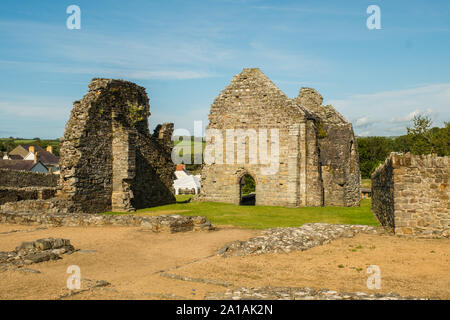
(262, 217)
(32, 141)
(184, 143)
(29, 141)
(6, 144)
(366, 183)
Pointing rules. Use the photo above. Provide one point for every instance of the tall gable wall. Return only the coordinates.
(252, 101)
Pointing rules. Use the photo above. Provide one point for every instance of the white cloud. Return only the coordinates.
(365, 133)
(410, 116)
(133, 56)
(282, 60)
(48, 108)
(389, 112)
(169, 54)
(168, 74)
(363, 122)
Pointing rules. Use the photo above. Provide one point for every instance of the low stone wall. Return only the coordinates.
(383, 195)
(23, 179)
(39, 206)
(166, 223)
(410, 195)
(9, 194)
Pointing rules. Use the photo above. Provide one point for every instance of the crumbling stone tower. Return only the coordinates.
(109, 159)
(318, 160)
(338, 150)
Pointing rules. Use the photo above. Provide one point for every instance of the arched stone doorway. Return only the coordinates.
(247, 190)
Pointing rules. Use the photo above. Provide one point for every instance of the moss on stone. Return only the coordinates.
(136, 112)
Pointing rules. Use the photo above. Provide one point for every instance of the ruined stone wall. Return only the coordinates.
(313, 173)
(22, 179)
(337, 146)
(318, 159)
(220, 183)
(10, 194)
(253, 102)
(340, 166)
(109, 160)
(353, 174)
(153, 182)
(410, 194)
(383, 195)
(23, 185)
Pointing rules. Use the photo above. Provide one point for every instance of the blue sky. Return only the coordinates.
(186, 52)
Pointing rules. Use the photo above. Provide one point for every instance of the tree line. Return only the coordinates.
(421, 138)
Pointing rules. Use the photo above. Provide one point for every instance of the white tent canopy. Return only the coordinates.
(187, 182)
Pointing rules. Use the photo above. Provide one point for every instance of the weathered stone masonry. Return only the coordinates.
(318, 160)
(410, 195)
(23, 185)
(109, 160)
(22, 179)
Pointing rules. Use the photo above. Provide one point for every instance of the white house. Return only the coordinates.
(186, 183)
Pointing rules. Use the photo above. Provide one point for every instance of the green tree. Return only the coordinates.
(372, 151)
(441, 140)
(426, 139)
(9, 144)
(422, 135)
(402, 144)
(249, 185)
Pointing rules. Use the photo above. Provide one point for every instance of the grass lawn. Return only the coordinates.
(262, 217)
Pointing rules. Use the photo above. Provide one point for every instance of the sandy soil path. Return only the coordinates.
(132, 259)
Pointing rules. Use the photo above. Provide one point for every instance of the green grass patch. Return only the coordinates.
(262, 217)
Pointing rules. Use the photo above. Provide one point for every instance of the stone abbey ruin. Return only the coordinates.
(317, 165)
(109, 160)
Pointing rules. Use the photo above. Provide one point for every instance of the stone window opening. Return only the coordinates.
(247, 188)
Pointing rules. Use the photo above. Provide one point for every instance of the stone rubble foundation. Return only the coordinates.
(287, 293)
(285, 240)
(165, 223)
(35, 252)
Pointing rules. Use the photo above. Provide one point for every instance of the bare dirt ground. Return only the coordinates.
(137, 264)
